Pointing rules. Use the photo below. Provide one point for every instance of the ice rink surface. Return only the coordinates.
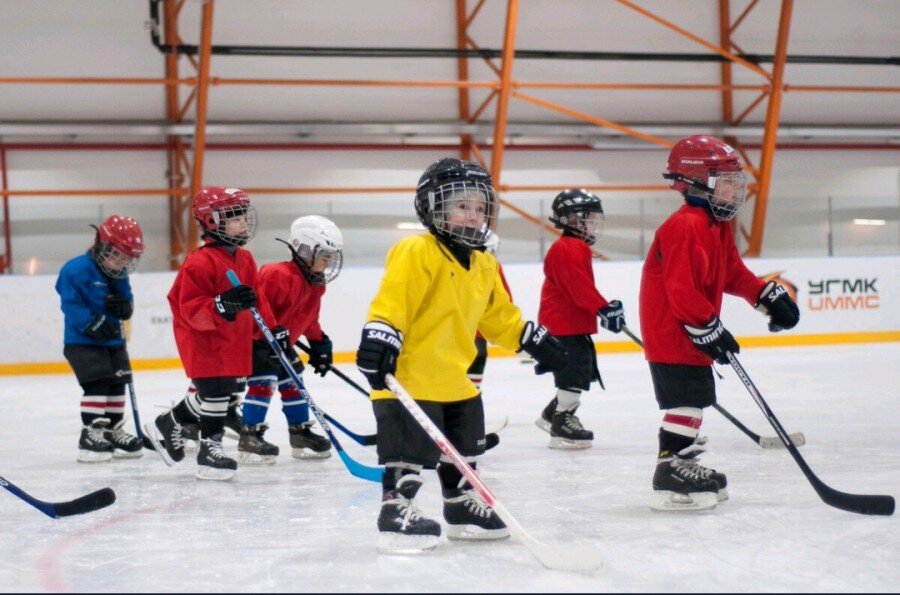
(310, 526)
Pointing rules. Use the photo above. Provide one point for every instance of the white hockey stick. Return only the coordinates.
(555, 557)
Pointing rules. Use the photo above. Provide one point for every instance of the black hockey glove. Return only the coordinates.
(544, 348)
(104, 329)
(713, 339)
(776, 302)
(612, 317)
(321, 355)
(236, 299)
(119, 306)
(379, 349)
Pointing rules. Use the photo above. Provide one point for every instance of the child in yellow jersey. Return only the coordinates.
(438, 290)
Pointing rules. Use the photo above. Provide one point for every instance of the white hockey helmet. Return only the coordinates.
(318, 247)
(492, 244)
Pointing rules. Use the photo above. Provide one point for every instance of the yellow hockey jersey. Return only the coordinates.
(438, 305)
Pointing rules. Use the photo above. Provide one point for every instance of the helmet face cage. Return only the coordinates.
(224, 217)
(308, 257)
(724, 191)
(113, 262)
(464, 212)
(586, 225)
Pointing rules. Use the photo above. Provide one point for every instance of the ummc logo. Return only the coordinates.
(844, 294)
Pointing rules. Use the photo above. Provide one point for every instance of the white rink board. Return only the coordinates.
(863, 295)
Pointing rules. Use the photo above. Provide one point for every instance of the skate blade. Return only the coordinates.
(191, 446)
(542, 424)
(90, 456)
(566, 444)
(398, 543)
(475, 533)
(722, 495)
(214, 474)
(673, 502)
(307, 454)
(255, 460)
(124, 454)
(229, 433)
(157, 442)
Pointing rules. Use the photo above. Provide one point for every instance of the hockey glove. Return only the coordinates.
(713, 339)
(378, 352)
(236, 299)
(776, 302)
(321, 355)
(544, 348)
(612, 317)
(104, 329)
(119, 306)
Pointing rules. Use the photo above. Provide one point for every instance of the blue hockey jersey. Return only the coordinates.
(83, 289)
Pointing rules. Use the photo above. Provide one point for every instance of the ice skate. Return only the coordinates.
(402, 530)
(234, 422)
(566, 432)
(212, 462)
(191, 435)
(126, 446)
(165, 437)
(469, 517)
(546, 419)
(678, 486)
(306, 444)
(690, 456)
(253, 448)
(93, 447)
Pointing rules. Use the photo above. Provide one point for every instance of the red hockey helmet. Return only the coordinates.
(706, 168)
(214, 206)
(118, 246)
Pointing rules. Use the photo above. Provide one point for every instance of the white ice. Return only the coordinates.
(310, 526)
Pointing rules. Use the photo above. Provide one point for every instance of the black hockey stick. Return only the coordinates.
(355, 468)
(764, 441)
(87, 503)
(862, 504)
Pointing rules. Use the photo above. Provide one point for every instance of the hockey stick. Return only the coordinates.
(87, 503)
(357, 469)
(764, 441)
(134, 411)
(555, 557)
(862, 504)
(489, 428)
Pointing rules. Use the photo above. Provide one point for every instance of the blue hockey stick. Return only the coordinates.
(355, 468)
(87, 503)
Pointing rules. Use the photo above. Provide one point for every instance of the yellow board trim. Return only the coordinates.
(344, 357)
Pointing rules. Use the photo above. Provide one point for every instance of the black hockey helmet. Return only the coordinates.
(578, 212)
(455, 199)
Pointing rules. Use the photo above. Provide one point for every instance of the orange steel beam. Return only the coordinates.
(725, 67)
(509, 50)
(721, 51)
(6, 258)
(462, 72)
(202, 95)
(770, 135)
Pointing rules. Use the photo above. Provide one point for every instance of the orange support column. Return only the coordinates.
(202, 95)
(770, 135)
(509, 49)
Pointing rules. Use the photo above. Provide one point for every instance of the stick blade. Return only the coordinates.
(858, 503)
(87, 503)
(359, 470)
(775, 442)
(568, 558)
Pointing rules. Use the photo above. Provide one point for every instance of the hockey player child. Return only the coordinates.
(693, 260)
(96, 297)
(437, 290)
(570, 306)
(212, 329)
(294, 290)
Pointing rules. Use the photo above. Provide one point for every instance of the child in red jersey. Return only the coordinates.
(212, 328)
(692, 262)
(570, 305)
(294, 290)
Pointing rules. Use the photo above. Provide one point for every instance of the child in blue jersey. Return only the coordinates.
(96, 297)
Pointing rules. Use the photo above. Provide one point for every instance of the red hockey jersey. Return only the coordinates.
(209, 345)
(294, 302)
(692, 262)
(569, 298)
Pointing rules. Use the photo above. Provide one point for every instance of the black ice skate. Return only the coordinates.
(401, 529)
(469, 517)
(546, 419)
(566, 431)
(253, 448)
(126, 446)
(306, 444)
(679, 486)
(165, 436)
(212, 462)
(191, 434)
(93, 447)
(690, 456)
(234, 422)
